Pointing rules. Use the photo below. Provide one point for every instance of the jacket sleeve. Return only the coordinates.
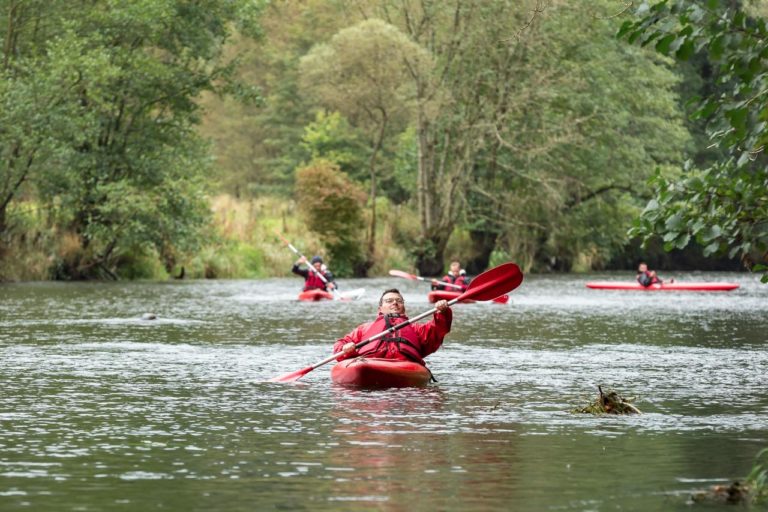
(431, 333)
(355, 337)
(300, 271)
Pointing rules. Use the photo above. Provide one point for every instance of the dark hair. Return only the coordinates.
(391, 290)
(316, 259)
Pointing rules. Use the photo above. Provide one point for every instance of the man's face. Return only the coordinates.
(455, 267)
(392, 303)
(317, 266)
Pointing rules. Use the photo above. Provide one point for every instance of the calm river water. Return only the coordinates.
(101, 410)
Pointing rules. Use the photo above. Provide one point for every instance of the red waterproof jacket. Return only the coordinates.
(413, 342)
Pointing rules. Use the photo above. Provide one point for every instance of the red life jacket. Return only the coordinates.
(459, 280)
(647, 279)
(313, 282)
(404, 341)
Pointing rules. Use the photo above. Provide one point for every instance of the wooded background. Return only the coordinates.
(556, 134)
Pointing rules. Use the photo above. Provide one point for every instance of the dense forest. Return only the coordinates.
(158, 138)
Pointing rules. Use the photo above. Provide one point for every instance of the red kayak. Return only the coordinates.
(664, 287)
(379, 373)
(437, 295)
(315, 295)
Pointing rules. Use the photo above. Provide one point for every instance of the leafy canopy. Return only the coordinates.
(725, 206)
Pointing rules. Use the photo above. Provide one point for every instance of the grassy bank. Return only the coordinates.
(240, 242)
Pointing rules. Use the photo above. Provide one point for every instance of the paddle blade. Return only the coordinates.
(400, 273)
(293, 376)
(494, 283)
(351, 294)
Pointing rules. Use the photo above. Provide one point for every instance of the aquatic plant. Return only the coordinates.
(758, 477)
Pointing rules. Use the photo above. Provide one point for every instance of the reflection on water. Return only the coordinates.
(101, 408)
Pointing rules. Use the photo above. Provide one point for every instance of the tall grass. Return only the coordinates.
(241, 243)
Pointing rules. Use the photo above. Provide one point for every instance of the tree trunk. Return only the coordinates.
(431, 256)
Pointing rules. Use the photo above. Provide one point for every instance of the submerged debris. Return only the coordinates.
(735, 493)
(752, 491)
(609, 403)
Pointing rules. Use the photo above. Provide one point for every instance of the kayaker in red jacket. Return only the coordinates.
(411, 343)
(311, 279)
(647, 277)
(456, 275)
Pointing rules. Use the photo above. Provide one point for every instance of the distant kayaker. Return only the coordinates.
(647, 277)
(311, 279)
(413, 342)
(456, 275)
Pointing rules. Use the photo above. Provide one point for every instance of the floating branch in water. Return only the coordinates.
(609, 403)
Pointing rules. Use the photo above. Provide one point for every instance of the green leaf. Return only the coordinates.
(686, 50)
(663, 44)
(625, 27)
(682, 241)
(711, 233)
(674, 222)
(711, 249)
(738, 120)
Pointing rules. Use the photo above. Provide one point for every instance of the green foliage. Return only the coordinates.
(226, 259)
(362, 73)
(139, 263)
(559, 176)
(103, 97)
(332, 207)
(330, 137)
(725, 205)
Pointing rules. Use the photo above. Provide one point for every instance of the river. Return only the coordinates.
(103, 410)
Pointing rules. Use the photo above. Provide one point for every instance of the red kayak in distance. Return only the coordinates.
(375, 373)
(664, 287)
(437, 295)
(315, 295)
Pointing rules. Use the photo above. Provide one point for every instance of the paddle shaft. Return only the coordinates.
(439, 283)
(406, 275)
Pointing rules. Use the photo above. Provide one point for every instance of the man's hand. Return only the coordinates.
(349, 347)
(441, 305)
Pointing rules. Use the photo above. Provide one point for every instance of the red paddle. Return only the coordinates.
(487, 286)
(503, 299)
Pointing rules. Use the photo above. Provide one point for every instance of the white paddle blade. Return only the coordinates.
(351, 294)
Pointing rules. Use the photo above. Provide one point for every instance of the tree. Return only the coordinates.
(362, 72)
(724, 207)
(584, 122)
(38, 98)
(520, 128)
(130, 179)
(332, 207)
